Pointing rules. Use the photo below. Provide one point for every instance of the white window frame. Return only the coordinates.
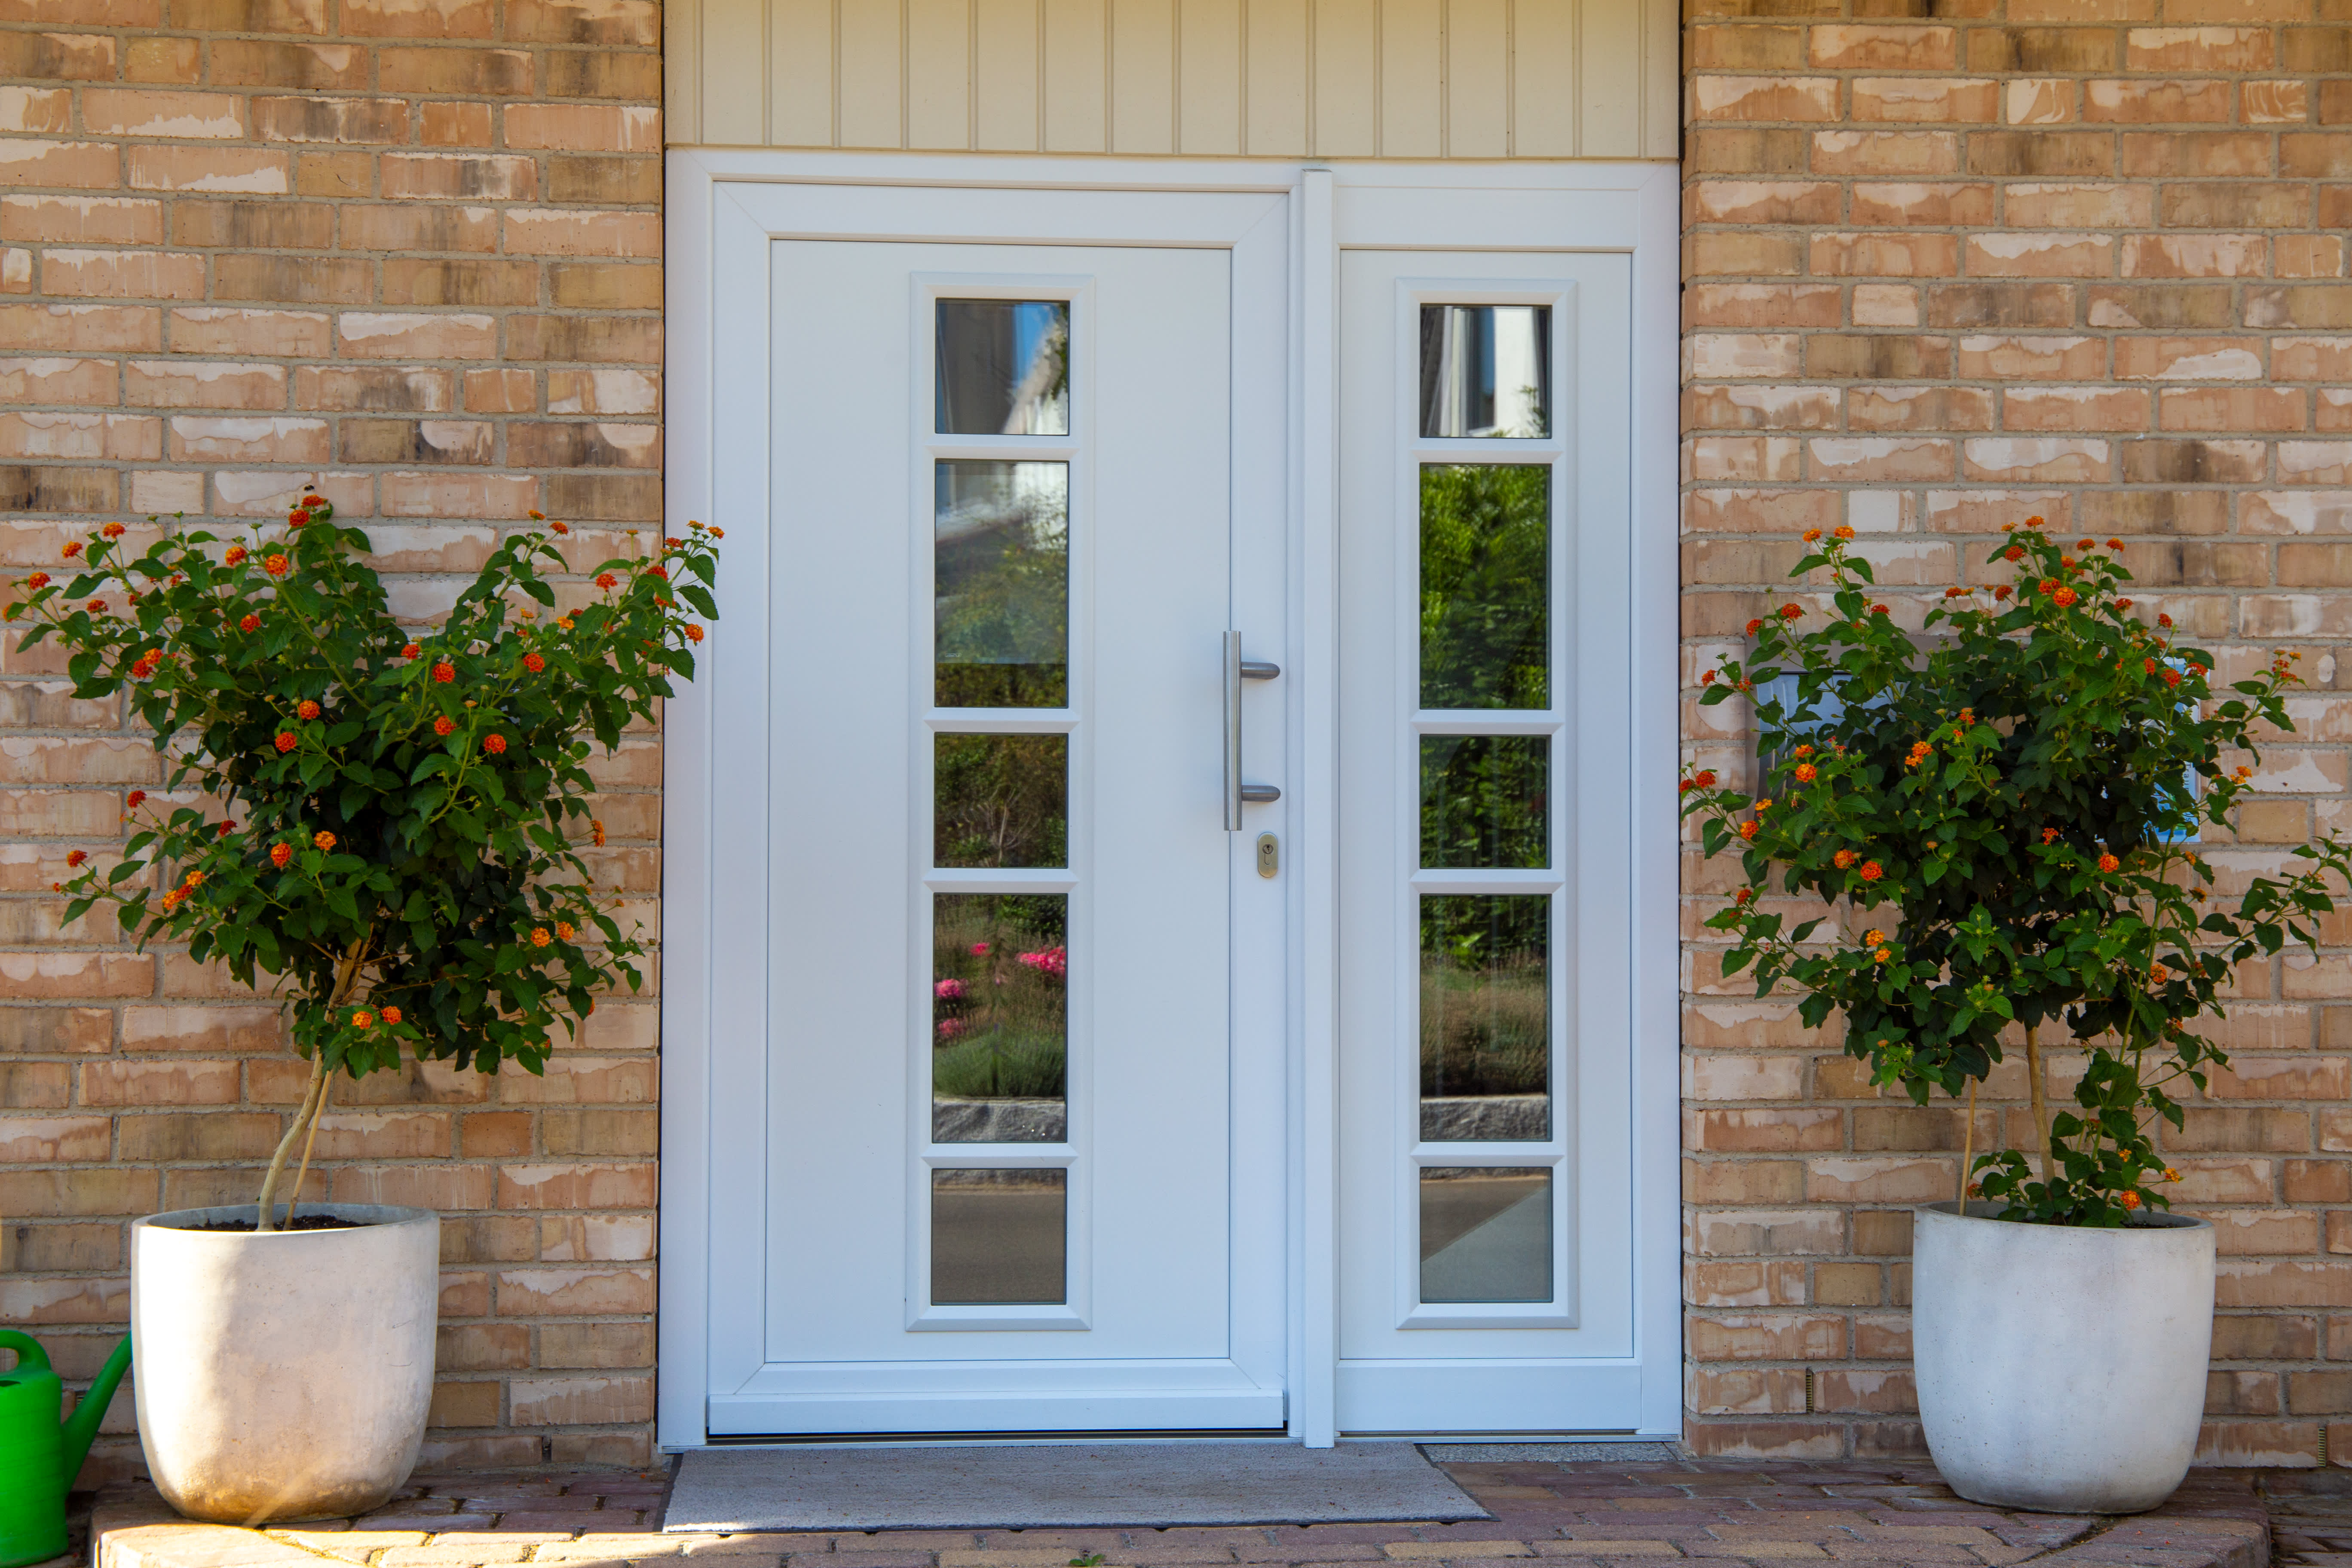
(1628, 207)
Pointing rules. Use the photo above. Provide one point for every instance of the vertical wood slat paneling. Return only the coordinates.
(1004, 76)
(1274, 57)
(1142, 75)
(1412, 78)
(1329, 79)
(938, 74)
(734, 71)
(1209, 77)
(800, 72)
(871, 74)
(1609, 88)
(1078, 75)
(1346, 71)
(1478, 78)
(1543, 57)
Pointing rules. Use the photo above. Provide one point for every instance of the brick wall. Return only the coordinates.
(1950, 263)
(407, 250)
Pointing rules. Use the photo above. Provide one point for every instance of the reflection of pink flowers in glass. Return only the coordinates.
(980, 950)
(948, 990)
(950, 1028)
(1053, 961)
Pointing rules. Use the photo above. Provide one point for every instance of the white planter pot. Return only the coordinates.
(2060, 1367)
(283, 1376)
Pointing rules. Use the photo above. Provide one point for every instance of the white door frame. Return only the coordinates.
(718, 475)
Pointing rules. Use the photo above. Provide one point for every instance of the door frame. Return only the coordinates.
(1628, 207)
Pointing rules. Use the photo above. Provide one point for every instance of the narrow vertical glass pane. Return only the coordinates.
(1485, 585)
(999, 1237)
(1001, 612)
(1486, 1234)
(1004, 367)
(1483, 800)
(1485, 370)
(1485, 1018)
(999, 1030)
(999, 800)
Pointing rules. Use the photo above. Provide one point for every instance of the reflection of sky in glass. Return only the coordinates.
(1001, 584)
(1003, 367)
(1485, 370)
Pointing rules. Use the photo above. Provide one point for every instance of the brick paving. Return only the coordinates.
(2311, 1516)
(1574, 1515)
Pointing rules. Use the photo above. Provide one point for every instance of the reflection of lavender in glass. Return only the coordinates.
(999, 972)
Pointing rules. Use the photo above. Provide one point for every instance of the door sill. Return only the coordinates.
(978, 1439)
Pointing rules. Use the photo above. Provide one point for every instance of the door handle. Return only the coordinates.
(1238, 669)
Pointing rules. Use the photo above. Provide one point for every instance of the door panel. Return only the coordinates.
(1486, 1052)
(1001, 1059)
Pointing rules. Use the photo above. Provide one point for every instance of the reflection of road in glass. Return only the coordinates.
(998, 1237)
(1486, 1234)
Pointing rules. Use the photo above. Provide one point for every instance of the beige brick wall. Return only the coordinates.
(1950, 263)
(408, 250)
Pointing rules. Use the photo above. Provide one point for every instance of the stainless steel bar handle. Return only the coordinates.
(1238, 669)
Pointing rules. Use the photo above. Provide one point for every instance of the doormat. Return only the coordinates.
(1037, 1486)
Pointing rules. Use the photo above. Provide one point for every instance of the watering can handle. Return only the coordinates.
(28, 1349)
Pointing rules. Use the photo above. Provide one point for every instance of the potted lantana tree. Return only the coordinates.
(377, 824)
(1984, 834)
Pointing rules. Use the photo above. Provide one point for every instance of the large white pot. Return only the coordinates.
(283, 1376)
(2061, 1367)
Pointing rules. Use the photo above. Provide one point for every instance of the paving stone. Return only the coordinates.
(1454, 1548)
(1560, 1515)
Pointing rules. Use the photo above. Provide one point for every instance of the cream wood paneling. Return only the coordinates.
(1288, 79)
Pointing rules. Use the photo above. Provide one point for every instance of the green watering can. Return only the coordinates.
(39, 1455)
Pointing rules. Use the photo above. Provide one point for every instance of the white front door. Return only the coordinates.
(1019, 1076)
(1013, 1149)
(1486, 1278)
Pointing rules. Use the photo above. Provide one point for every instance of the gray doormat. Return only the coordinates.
(1034, 1486)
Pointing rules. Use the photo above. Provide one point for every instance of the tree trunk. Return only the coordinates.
(302, 1121)
(314, 1100)
(2041, 1101)
(1968, 1147)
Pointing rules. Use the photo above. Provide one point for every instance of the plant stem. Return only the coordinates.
(2041, 1102)
(302, 1172)
(347, 975)
(266, 1206)
(1968, 1147)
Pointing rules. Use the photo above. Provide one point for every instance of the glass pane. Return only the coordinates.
(1004, 367)
(1483, 800)
(1002, 584)
(998, 1034)
(999, 800)
(1485, 370)
(1486, 1234)
(998, 1237)
(1485, 585)
(1485, 1018)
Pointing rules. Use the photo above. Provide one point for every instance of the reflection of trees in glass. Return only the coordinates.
(1485, 585)
(1003, 367)
(1002, 584)
(999, 800)
(1483, 800)
(999, 966)
(1485, 1022)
